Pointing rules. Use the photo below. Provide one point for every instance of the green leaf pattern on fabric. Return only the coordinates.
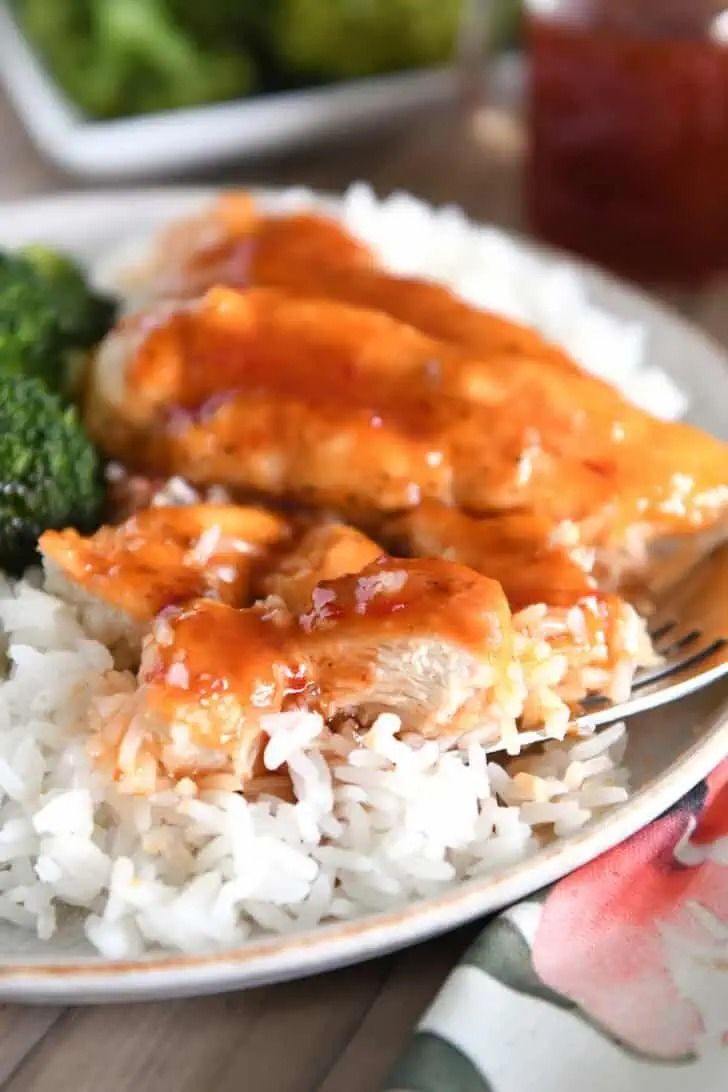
(432, 1064)
(622, 966)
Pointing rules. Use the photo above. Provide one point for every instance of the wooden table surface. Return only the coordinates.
(339, 1032)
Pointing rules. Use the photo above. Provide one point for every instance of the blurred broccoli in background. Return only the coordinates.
(219, 22)
(48, 315)
(349, 38)
(116, 57)
(338, 38)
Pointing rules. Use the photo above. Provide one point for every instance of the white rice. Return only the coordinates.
(370, 828)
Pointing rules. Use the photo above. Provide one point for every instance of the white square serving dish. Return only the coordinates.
(179, 140)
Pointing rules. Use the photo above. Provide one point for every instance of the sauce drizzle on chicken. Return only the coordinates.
(332, 405)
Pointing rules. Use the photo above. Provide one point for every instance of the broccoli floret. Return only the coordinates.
(350, 38)
(47, 314)
(50, 472)
(84, 316)
(117, 57)
(28, 326)
(218, 22)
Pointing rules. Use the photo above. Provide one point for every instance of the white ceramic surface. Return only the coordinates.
(669, 750)
(178, 140)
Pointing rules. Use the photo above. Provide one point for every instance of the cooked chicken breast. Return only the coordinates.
(534, 559)
(423, 639)
(329, 270)
(428, 641)
(121, 577)
(209, 673)
(548, 579)
(307, 254)
(325, 551)
(338, 406)
(219, 245)
(162, 557)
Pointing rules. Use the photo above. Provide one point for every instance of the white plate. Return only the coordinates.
(156, 144)
(669, 750)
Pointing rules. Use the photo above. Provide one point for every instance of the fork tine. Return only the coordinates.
(682, 642)
(657, 693)
(669, 668)
(689, 628)
(693, 618)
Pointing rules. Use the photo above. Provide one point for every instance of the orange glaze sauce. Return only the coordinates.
(226, 661)
(232, 243)
(261, 341)
(312, 255)
(394, 599)
(212, 672)
(513, 548)
(279, 258)
(158, 556)
(325, 551)
(218, 670)
(338, 358)
(526, 436)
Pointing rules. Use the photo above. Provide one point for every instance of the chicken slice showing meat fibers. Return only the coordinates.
(235, 243)
(546, 574)
(428, 641)
(209, 675)
(337, 406)
(122, 576)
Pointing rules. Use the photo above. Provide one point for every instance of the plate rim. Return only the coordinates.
(276, 958)
(267, 960)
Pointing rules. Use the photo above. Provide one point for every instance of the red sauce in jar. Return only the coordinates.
(629, 162)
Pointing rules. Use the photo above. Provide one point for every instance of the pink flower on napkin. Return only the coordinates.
(638, 939)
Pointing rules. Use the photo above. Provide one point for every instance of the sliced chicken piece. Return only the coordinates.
(163, 557)
(428, 641)
(308, 254)
(544, 572)
(220, 244)
(325, 551)
(547, 576)
(534, 559)
(167, 389)
(333, 405)
(426, 305)
(209, 673)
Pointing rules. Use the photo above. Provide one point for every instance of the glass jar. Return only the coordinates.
(628, 124)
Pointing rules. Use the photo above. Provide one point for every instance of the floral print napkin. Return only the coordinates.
(615, 979)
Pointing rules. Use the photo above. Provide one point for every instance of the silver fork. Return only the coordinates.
(689, 630)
